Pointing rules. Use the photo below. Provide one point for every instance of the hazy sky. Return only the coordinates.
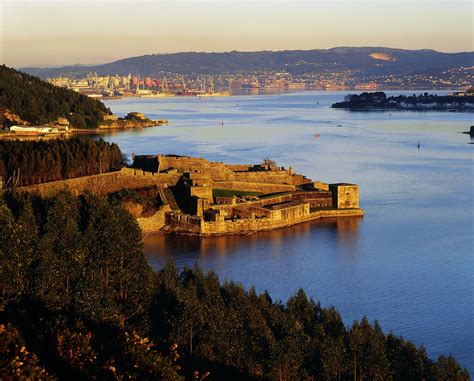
(41, 32)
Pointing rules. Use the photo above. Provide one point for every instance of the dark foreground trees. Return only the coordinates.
(34, 162)
(79, 301)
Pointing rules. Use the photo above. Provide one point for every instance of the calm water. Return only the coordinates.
(408, 263)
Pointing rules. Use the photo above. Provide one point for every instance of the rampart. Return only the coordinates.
(106, 183)
(155, 222)
(266, 213)
(260, 173)
(185, 224)
(274, 177)
(254, 187)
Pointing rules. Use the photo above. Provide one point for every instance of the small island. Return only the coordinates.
(379, 101)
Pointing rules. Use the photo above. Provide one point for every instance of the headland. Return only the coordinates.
(52, 111)
(62, 127)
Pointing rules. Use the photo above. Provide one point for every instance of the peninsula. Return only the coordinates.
(378, 101)
(30, 106)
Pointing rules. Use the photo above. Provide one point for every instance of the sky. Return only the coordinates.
(49, 33)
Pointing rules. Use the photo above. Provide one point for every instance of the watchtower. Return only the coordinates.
(345, 196)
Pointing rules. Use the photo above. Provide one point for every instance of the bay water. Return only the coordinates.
(409, 262)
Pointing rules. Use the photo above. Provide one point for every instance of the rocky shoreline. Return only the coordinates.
(62, 128)
(131, 120)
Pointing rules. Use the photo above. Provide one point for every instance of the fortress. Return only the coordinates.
(212, 198)
(200, 197)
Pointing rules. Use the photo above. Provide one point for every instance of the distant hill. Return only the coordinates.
(38, 102)
(366, 61)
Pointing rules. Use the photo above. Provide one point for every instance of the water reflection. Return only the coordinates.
(160, 248)
(347, 231)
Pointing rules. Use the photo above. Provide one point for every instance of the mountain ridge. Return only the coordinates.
(357, 59)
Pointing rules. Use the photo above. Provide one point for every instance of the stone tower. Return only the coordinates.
(345, 196)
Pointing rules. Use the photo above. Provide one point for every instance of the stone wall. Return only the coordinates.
(239, 167)
(202, 192)
(254, 186)
(105, 183)
(345, 196)
(183, 163)
(217, 171)
(274, 177)
(191, 225)
(251, 211)
(179, 222)
(231, 200)
(316, 199)
(291, 213)
(155, 222)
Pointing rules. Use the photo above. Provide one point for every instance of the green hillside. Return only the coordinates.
(39, 102)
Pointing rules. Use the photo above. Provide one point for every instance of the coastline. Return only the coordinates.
(417, 109)
(108, 125)
(71, 133)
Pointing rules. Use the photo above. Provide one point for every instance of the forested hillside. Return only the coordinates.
(79, 301)
(39, 102)
(34, 162)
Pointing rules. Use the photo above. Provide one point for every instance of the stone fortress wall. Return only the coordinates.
(179, 223)
(146, 174)
(260, 173)
(106, 182)
(288, 198)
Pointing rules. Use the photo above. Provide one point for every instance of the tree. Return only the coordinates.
(117, 280)
(16, 361)
(33, 162)
(447, 368)
(62, 261)
(12, 278)
(39, 102)
(76, 287)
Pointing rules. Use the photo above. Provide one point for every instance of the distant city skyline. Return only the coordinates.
(49, 33)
